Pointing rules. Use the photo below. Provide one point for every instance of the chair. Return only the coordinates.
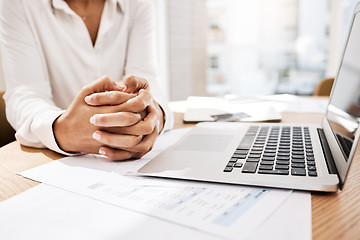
(7, 133)
(323, 88)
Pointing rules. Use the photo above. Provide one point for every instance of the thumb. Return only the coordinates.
(135, 84)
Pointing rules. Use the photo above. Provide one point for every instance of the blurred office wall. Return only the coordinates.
(182, 43)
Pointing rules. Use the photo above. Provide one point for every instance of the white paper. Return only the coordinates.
(202, 108)
(292, 103)
(44, 212)
(216, 208)
(291, 221)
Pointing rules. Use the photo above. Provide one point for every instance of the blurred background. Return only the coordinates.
(248, 47)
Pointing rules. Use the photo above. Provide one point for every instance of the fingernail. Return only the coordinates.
(87, 99)
(93, 120)
(96, 136)
(122, 86)
(102, 151)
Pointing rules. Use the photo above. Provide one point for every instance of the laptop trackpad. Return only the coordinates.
(214, 143)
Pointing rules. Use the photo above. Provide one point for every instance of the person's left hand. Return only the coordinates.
(149, 127)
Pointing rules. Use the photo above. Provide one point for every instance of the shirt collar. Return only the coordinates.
(121, 3)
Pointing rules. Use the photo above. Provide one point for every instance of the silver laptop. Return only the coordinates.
(305, 157)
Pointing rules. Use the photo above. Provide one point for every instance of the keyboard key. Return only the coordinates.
(284, 148)
(270, 150)
(284, 167)
(268, 158)
(283, 158)
(228, 169)
(243, 152)
(298, 160)
(297, 153)
(267, 162)
(230, 164)
(253, 159)
(298, 165)
(298, 171)
(233, 160)
(258, 146)
(246, 142)
(298, 149)
(282, 162)
(312, 173)
(310, 158)
(256, 152)
(249, 167)
(311, 163)
(265, 167)
(238, 165)
(282, 145)
(283, 154)
(311, 168)
(239, 156)
(275, 171)
(269, 154)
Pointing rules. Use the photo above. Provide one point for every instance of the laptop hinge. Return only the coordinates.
(327, 154)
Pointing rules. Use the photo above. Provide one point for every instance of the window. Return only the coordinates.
(272, 46)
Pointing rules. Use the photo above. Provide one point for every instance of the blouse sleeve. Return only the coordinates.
(29, 103)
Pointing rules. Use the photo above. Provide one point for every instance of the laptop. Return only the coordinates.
(304, 157)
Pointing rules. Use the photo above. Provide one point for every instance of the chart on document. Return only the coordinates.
(209, 209)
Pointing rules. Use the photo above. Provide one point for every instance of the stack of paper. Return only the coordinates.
(113, 203)
(249, 110)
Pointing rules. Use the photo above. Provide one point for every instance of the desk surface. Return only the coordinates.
(334, 215)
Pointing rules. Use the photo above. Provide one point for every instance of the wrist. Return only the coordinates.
(161, 116)
(61, 135)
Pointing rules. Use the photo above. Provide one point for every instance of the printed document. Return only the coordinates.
(221, 209)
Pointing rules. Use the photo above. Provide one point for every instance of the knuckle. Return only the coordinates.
(146, 93)
(114, 97)
(142, 105)
(145, 148)
(96, 98)
(105, 79)
(86, 89)
(101, 119)
(132, 119)
(147, 129)
(133, 141)
(126, 155)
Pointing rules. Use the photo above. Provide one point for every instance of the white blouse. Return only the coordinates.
(48, 56)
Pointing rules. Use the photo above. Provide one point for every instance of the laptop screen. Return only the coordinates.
(344, 108)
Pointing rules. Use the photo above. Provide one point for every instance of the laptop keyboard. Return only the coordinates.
(275, 150)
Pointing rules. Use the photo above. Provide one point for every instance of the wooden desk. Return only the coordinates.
(334, 216)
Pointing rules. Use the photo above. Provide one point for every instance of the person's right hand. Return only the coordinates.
(73, 130)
